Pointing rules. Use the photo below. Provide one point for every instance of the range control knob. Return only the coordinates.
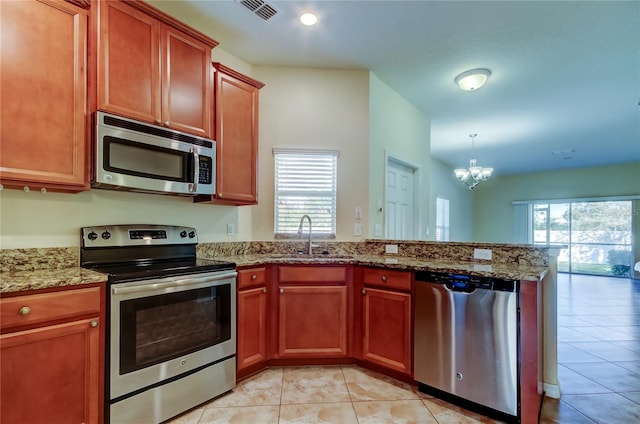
(183, 234)
(106, 235)
(192, 234)
(92, 236)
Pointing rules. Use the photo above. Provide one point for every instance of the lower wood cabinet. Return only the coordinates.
(386, 319)
(312, 321)
(313, 311)
(252, 319)
(51, 351)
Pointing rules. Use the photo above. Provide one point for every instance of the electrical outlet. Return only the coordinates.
(358, 212)
(378, 230)
(390, 248)
(484, 254)
(357, 230)
(231, 229)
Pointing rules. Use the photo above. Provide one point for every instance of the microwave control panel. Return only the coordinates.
(205, 165)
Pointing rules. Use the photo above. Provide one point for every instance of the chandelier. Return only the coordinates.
(475, 174)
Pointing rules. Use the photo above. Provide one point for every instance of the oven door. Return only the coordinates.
(162, 328)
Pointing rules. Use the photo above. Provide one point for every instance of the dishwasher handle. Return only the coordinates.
(460, 287)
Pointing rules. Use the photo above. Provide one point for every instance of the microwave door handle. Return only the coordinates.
(196, 171)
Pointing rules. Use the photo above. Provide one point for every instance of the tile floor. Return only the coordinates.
(599, 372)
(598, 351)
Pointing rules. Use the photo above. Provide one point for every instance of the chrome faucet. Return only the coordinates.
(300, 230)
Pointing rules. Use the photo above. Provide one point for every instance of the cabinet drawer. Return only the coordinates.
(251, 277)
(387, 278)
(309, 274)
(38, 308)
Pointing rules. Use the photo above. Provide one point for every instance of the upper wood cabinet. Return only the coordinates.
(236, 135)
(43, 106)
(153, 68)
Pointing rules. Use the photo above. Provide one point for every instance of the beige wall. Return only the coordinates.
(493, 211)
(399, 129)
(314, 108)
(444, 184)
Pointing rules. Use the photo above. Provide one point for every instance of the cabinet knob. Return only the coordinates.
(94, 323)
(26, 189)
(264, 290)
(166, 123)
(43, 190)
(384, 278)
(158, 121)
(220, 195)
(24, 311)
(364, 291)
(254, 277)
(281, 290)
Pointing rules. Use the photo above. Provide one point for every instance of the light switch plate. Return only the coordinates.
(378, 231)
(231, 229)
(358, 212)
(357, 230)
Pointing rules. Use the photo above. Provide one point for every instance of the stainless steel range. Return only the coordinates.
(172, 320)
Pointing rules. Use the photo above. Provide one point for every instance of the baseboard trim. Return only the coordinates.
(552, 390)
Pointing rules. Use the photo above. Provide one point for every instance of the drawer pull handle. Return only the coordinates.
(264, 290)
(94, 323)
(384, 278)
(24, 311)
(254, 277)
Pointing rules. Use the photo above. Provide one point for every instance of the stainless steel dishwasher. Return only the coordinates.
(466, 341)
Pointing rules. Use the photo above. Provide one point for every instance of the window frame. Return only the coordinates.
(445, 228)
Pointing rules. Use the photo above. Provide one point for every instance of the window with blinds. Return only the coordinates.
(305, 184)
(442, 219)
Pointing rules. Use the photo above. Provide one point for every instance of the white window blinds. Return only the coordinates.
(442, 219)
(305, 184)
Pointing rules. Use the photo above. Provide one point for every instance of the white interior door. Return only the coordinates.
(400, 201)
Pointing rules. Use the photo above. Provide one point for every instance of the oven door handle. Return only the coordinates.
(186, 282)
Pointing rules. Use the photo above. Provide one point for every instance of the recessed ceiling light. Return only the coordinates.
(308, 19)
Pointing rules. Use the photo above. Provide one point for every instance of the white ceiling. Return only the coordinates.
(565, 74)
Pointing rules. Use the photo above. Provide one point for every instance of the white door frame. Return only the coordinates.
(417, 206)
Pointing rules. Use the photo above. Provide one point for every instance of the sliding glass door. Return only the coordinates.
(598, 235)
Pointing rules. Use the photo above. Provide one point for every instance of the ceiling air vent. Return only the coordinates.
(262, 9)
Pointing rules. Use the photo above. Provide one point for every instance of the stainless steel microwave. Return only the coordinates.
(135, 156)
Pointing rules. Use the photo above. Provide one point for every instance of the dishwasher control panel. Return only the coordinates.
(467, 283)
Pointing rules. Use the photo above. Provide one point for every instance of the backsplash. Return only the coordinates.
(524, 255)
(521, 255)
(39, 258)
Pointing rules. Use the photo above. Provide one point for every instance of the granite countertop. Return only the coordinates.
(17, 281)
(481, 269)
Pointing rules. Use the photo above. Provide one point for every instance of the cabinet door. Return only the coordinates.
(312, 321)
(186, 83)
(387, 329)
(43, 101)
(236, 123)
(129, 62)
(50, 374)
(252, 327)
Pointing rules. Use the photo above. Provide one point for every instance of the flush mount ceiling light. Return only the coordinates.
(475, 174)
(308, 19)
(473, 79)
